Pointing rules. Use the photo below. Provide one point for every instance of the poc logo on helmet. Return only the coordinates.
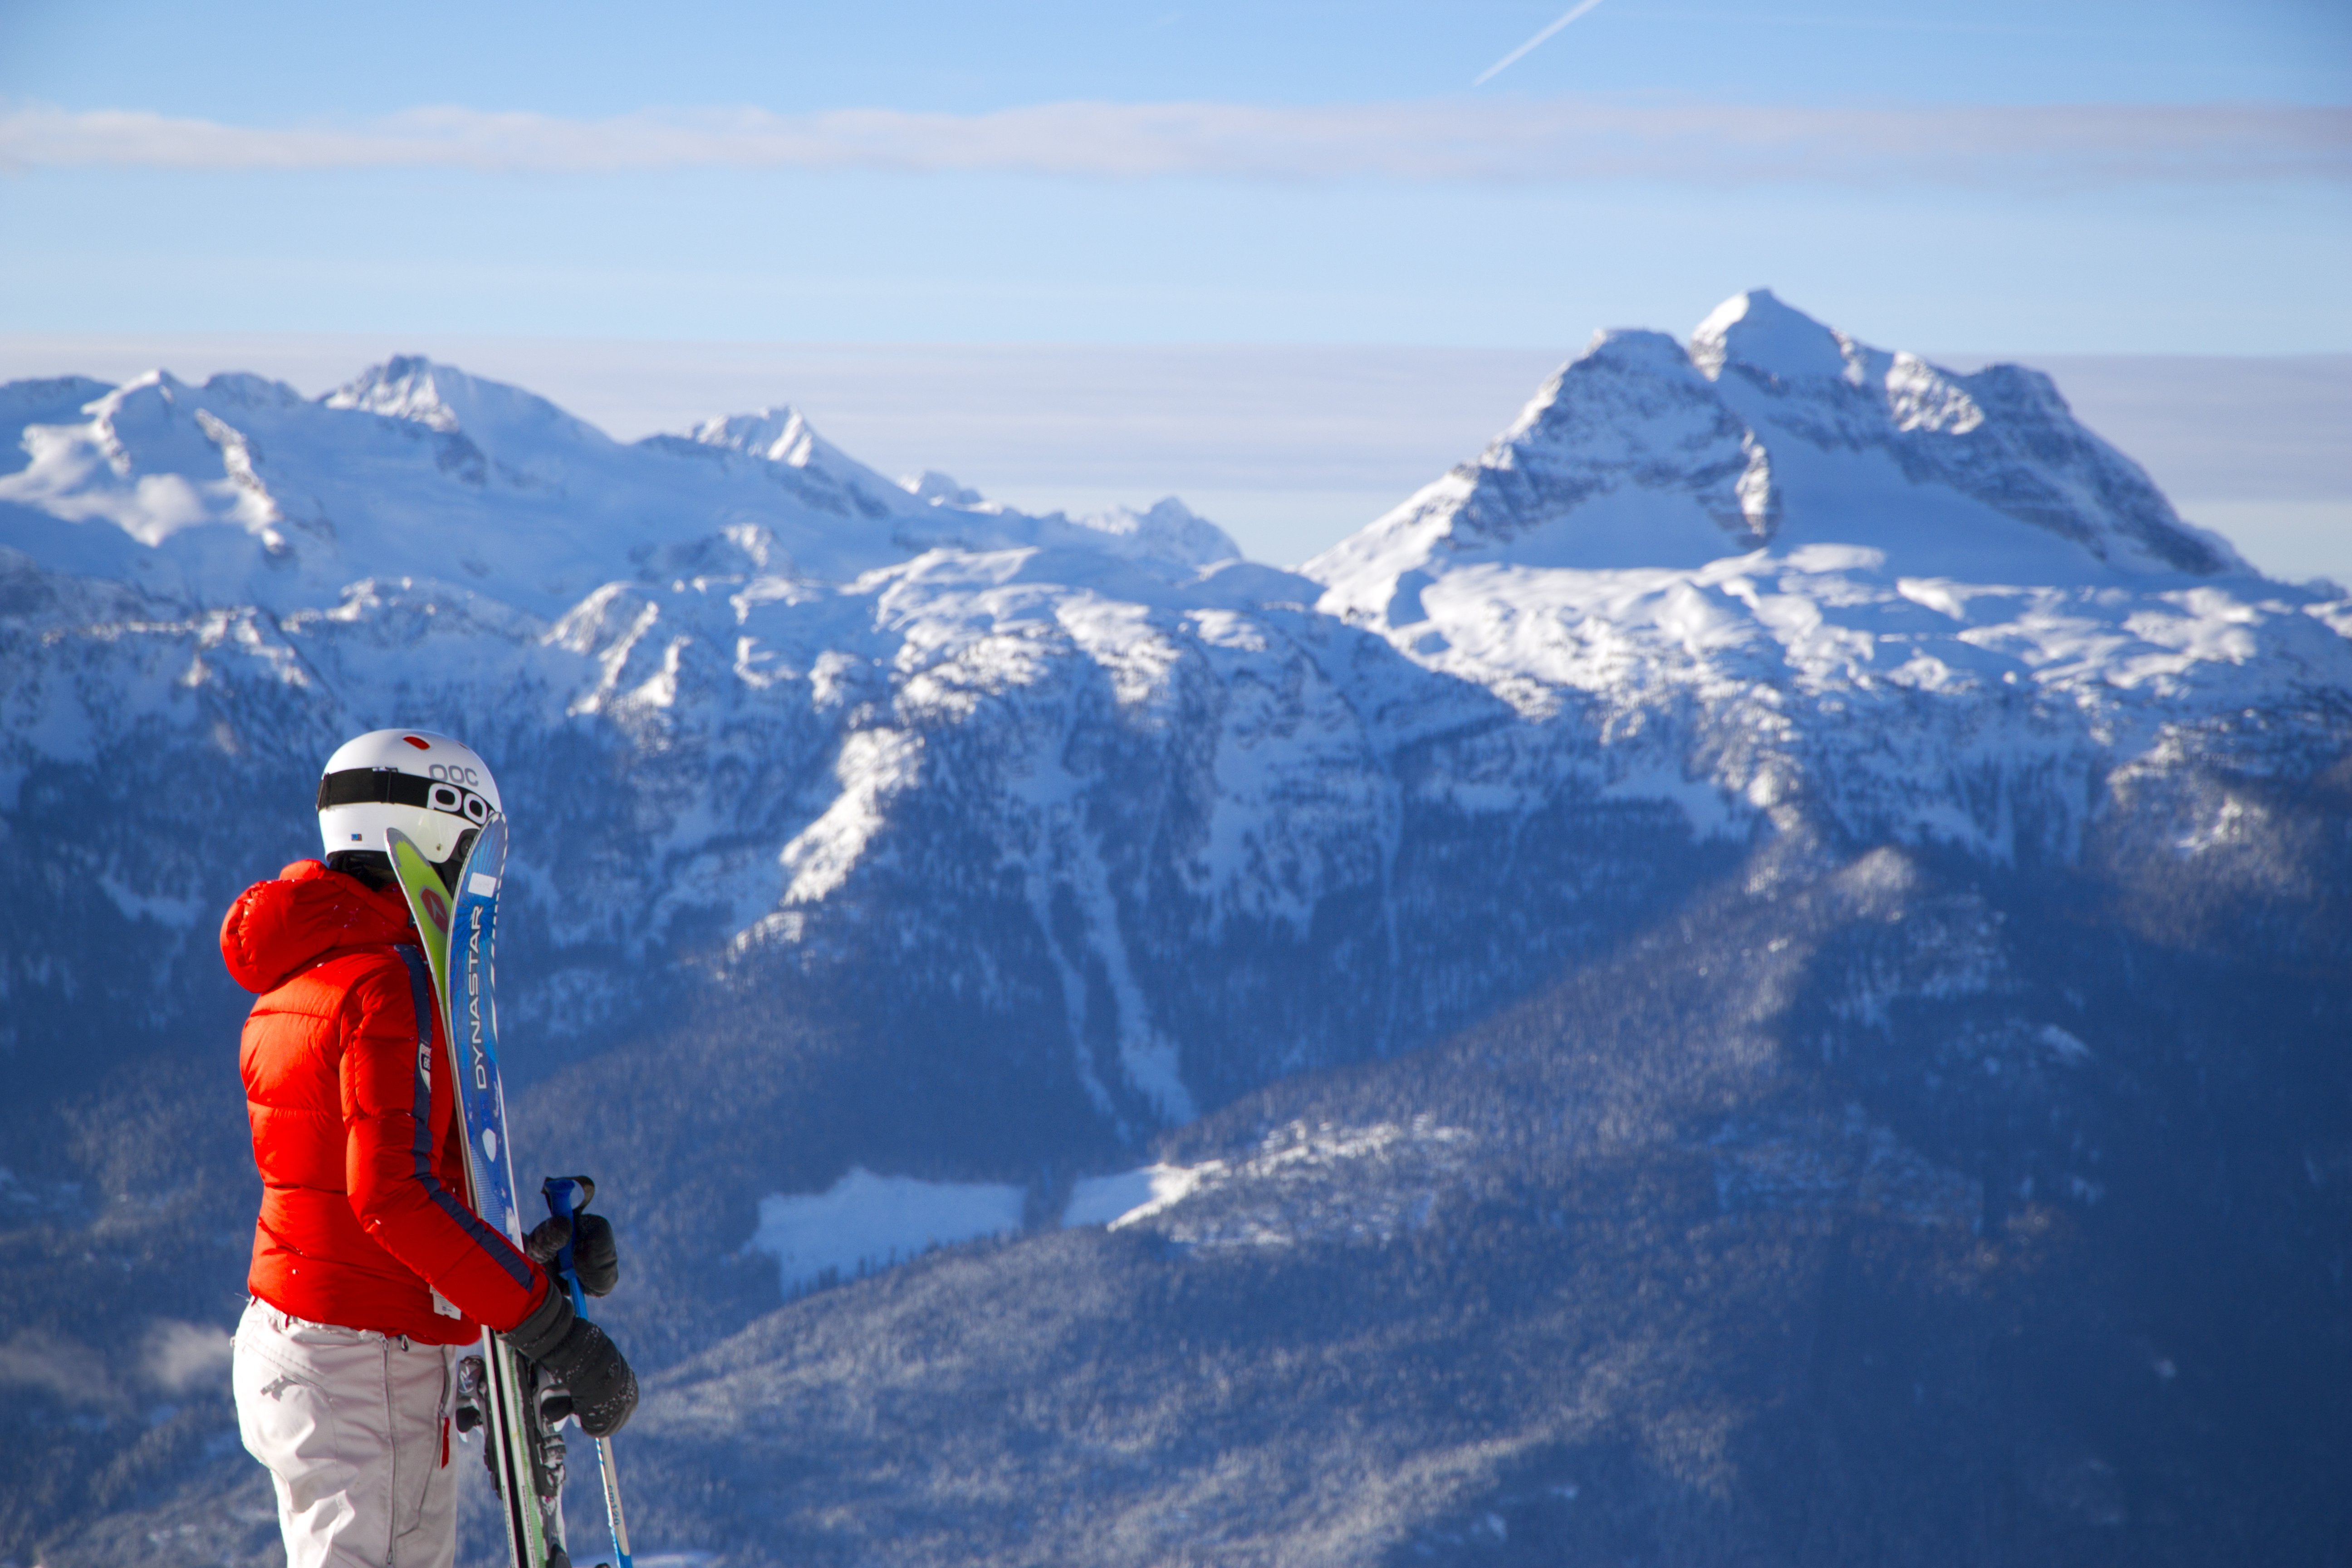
(455, 773)
(458, 802)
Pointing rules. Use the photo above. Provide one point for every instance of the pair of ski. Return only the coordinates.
(522, 1411)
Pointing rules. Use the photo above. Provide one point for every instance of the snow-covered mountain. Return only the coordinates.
(1789, 565)
(243, 492)
(1776, 575)
(1814, 698)
(1772, 430)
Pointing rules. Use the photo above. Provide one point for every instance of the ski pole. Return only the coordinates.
(558, 1191)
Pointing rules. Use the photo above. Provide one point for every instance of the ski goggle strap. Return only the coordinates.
(389, 786)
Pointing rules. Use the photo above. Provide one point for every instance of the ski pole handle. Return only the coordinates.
(563, 1206)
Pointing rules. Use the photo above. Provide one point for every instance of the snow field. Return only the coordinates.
(1128, 1196)
(865, 1223)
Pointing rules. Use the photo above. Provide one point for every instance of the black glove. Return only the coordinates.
(595, 1260)
(603, 1390)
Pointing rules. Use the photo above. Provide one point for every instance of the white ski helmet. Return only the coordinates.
(429, 786)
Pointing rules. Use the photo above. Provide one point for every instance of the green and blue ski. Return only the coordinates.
(526, 1453)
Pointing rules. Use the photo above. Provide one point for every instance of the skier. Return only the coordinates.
(370, 1271)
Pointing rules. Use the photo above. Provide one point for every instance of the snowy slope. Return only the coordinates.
(1837, 573)
(1772, 430)
(241, 491)
(1219, 822)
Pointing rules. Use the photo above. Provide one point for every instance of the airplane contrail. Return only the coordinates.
(1495, 69)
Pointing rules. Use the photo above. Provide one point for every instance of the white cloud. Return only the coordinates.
(73, 1372)
(1481, 141)
(182, 1356)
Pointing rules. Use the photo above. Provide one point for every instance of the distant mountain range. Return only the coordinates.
(1788, 833)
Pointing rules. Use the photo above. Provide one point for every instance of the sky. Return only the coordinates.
(2168, 178)
(2096, 177)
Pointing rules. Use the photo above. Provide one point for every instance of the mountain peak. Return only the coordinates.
(1641, 455)
(1168, 530)
(444, 398)
(780, 434)
(406, 386)
(933, 488)
(1757, 331)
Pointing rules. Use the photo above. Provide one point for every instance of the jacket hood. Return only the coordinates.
(276, 929)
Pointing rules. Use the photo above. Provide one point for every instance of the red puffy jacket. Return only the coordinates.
(364, 1214)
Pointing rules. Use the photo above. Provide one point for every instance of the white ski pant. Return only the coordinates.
(351, 1426)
